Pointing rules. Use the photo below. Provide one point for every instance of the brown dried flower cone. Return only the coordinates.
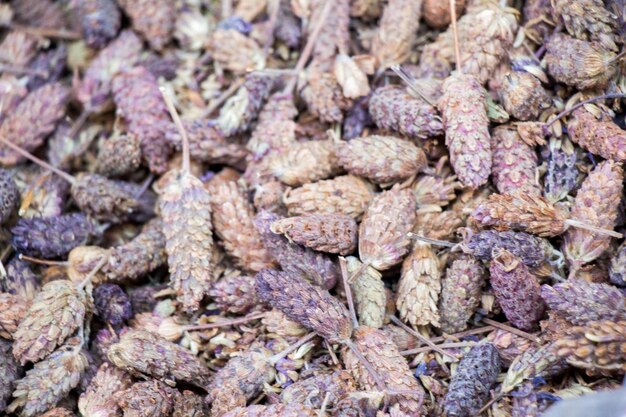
(276, 410)
(535, 361)
(324, 97)
(346, 194)
(312, 391)
(523, 96)
(189, 404)
(332, 233)
(98, 399)
(305, 162)
(514, 166)
(278, 323)
(437, 13)
(599, 347)
(119, 155)
(235, 293)
(235, 52)
(58, 412)
(464, 113)
(509, 345)
(56, 312)
(232, 216)
(381, 159)
(368, 290)
(600, 136)
(10, 371)
(240, 110)
(419, 287)
(144, 354)
(597, 203)
(49, 380)
(307, 304)
(393, 369)
(149, 398)
(153, 19)
(397, 32)
(383, 240)
(334, 35)
(275, 129)
(186, 212)
(432, 192)
(351, 76)
(439, 225)
(460, 293)
(366, 9)
(13, 309)
(588, 20)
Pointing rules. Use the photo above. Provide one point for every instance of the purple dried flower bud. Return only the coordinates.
(52, 63)
(529, 248)
(142, 299)
(112, 304)
(100, 21)
(9, 195)
(20, 279)
(235, 23)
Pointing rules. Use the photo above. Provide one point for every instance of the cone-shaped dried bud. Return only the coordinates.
(112, 304)
(53, 237)
(419, 287)
(307, 304)
(392, 108)
(98, 399)
(351, 77)
(100, 21)
(470, 384)
(312, 391)
(21, 280)
(368, 290)
(10, 372)
(437, 13)
(240, 110)
(588, 20)
(235, 293)
(153, 19)
(599, 347)
(18, 48)
(598, 136)
(94, 92)
(517, 290)
(579, 63)
(561, 174)
(46, 14)
(397, 32)
(439, 225)
(13, 309)
(332, 233)
(104, 199)
(189, 404)
(147, 399)
(334, 35)
(313, 266)
(460, 293)
(463, 108)
(617, 270)
(9, 195)
(525, 402)
(509, 345)
(305, 162)
(383, 355)
(581, 302)
(346, 194)
(276, 410)
(535, 361)
(275, 128)
(514, 166)
(49, 381)
(119, 155)
(140, 103)
(33, 120)
(522, 95)
(58, 412)
(366, 9)
(233, 224)
(57, 311)
(381, 159)
(186, 212)
(324, 96)
(235, 51)
(433, 192)
(383, 240)
(532, 214)
(145, 354)
(597, 203)
(276, 322)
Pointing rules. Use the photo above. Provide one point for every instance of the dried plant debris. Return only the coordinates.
(154, 19)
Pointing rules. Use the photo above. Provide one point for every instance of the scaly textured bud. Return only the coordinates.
(419, 287)
(517, 290)
(21, 280)
(98, 399)
(100, 21)
(13, 309)
(598, 136)
(276, 410)
(382, 159)
(599, 347)
(324, 97)
(588, 20)
(437, 13)
(464, 113)
(368, 290)
(57, 311)
(58, 412)
(334, 35)
(561, 175)
(346, 194)
(9, 195)
(617, 271)
(235, 293)
(112, 304)
(439, 225)
(18, 48)
(581, 302)
(104, 199)
(119, 155)
(522, 95)
(312, 391)
(332, 233)
(240, 110)
(235, 51)
(383, 240)
(147, 399)
(432, 192)
(460, 293)
(509, 345)
(275, 129)
(189, 404)
(470, 384)
(514, 166)
(305, 162)
(397, 32)
(33, 120)
(307, 304)
(278, 323)
(10, 372)
(153, 19)
(145, 354)
(536, 361)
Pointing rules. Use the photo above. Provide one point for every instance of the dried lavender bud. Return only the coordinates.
(13, 309)
(357, 119)
(517, 290)
(540, 361)
(383, 240)
(148, 399)
(49, 380)
(21, 280)
(235, 293)
(561, 172)
(324, 96)
(9, 195)
(50, 64)
(332, 233)
(140, 103)
(112, 304)
(144, 354)
(437, 13)
(240, 110)
(460, 293)
(522, 95)
(307, 304)
(368, 290)
(397, 32)
(598, 136)
(276, 410)
(464, 114)
(313, 266)
(305, 162)
(58, 412)
(275, 129)
(45, 14)
(514, 163)
(33, 120)
(153, 19)
(334, 35)
(189, 404)
(56, 312)
(581, 302)
(104, 199)
(119, 155)
(470, 384)
(100, 21)
(531, 250)
(588, 20)
(311, 392)
(53, 237)
(289, 31)
(98, 399)
(439, 225)
(10, 372)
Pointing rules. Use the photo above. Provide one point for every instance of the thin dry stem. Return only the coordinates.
(79, 123)
(181, 129)
(224, 323)
(582, 103)
(435, 242)
(93, 272)
(441, 347)
(377, 379)
(223, 97)
(67, 177)
(42, 261)
(283, 353)
(585, 226)
(510, 329)
(409, 82)
(457, 52)
(47, 33)
(16, 70)
(348, 290)
(421, 338)
(274, 5)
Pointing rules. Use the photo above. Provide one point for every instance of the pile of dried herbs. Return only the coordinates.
(290, 208)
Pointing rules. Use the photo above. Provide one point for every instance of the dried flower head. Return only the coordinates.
(98, 399)
(235, 51)
(13, 309)
(112, 304)
(239, 111)
(536, 361)
(324, 96)
(100, 21)
(523, 96)
(153, 19)
(150, 398)
(514, 163)
(562, 173)
(276, 410)
(588, 20)
(21, 280)
(509, 345)
(312, 391)
(437, 13)
(305, 162)
(368, 290)
(600, 136)
(332, 233)
(10, 372)
(119, 155)
(397, 32)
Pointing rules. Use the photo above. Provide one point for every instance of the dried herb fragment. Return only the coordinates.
(437, 13)
(305, 162)
(514, 166)
(396, 32)
(150, 399)
(21, 280)
(239, 111)
(277, 410)
(119, 155)
(368, 290)
(10, 372)
(534, 362)
(599, 136)
(332, 233)
(523, 96)
(104, 199)
(588, 20)
(112, 304)
(235, 293)
(13, 309)
(561, 175)
(617, 270)
(100, 21)
(153, 19)
(98, 399)
(311, 392)
(9, 195)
